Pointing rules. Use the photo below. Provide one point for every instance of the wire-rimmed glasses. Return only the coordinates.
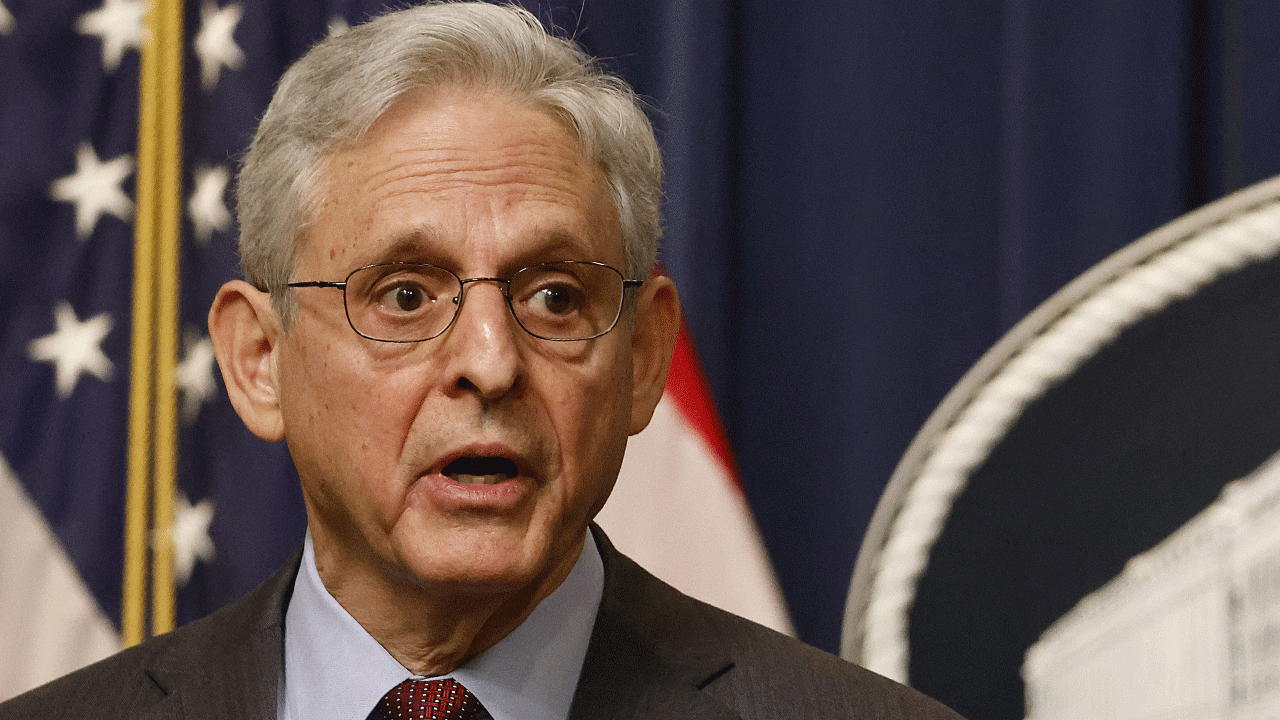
(413, 302)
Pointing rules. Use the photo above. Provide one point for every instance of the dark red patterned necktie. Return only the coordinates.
(427, 700)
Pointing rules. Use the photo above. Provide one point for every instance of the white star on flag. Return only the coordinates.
(74, 348)
(121, 24)
(215, 45)
(195, 374)
(95, 188)
(205, 206)
(6, 20)
(190, 536)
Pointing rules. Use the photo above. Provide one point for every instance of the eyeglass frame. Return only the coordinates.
(627, 284)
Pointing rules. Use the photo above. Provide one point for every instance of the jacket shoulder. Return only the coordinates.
(760, 673)
(119, 681)
(773, 671)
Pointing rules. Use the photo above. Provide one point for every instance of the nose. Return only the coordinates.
(482, 342)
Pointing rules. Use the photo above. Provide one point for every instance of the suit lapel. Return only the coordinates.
(240, 684)
(229, 664)
(648, 657)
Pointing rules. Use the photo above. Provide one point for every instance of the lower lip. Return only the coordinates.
(445, 494)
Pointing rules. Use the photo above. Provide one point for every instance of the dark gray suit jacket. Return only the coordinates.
(654, 653)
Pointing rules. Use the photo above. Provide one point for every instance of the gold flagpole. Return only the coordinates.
(167, 16)
(152, 399)
(134, 608)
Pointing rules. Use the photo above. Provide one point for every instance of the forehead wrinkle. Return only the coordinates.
(533, 172)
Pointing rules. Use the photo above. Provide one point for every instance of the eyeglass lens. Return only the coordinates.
(403, 302)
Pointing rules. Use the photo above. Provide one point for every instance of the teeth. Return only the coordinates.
(468, 479)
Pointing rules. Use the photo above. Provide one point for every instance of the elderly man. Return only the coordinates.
(448, 222)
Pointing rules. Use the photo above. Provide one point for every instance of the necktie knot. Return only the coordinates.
(428, 700)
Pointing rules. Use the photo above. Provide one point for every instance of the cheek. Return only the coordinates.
(592, 421)
(346, 416)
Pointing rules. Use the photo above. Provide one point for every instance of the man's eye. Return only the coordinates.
(404, 297)
(556, 300)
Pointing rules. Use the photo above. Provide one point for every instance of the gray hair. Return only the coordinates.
(331, 97)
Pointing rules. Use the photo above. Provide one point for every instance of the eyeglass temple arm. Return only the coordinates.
(317, 283)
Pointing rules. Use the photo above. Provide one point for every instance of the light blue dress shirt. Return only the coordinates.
(334, 670)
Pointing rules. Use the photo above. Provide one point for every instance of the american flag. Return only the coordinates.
(68, 137)
(69, 127)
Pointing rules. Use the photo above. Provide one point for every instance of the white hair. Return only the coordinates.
(332, 96)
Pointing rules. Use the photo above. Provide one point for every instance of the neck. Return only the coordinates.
(431, 630)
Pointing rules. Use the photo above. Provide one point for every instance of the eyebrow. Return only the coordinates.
(419, 246)
(414, 247)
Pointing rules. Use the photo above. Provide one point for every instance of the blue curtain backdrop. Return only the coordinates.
(862, 197)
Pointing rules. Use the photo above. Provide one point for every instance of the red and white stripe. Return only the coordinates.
(678, 508)
(49, 622)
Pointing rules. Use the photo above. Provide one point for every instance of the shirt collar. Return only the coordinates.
(334, 669)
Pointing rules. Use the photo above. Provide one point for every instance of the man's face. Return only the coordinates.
(472, 461)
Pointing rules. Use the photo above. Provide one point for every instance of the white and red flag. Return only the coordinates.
(678, 508)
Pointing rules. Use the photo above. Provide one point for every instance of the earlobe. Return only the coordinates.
(244, 330)
(657, 325)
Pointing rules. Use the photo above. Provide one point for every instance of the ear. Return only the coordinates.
(653, 340)
(244, 329)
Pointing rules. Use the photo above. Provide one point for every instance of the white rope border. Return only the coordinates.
(1175, 273)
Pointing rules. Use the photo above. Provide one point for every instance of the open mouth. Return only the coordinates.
(481, 470)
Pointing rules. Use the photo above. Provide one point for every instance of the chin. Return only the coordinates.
(478, 561)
